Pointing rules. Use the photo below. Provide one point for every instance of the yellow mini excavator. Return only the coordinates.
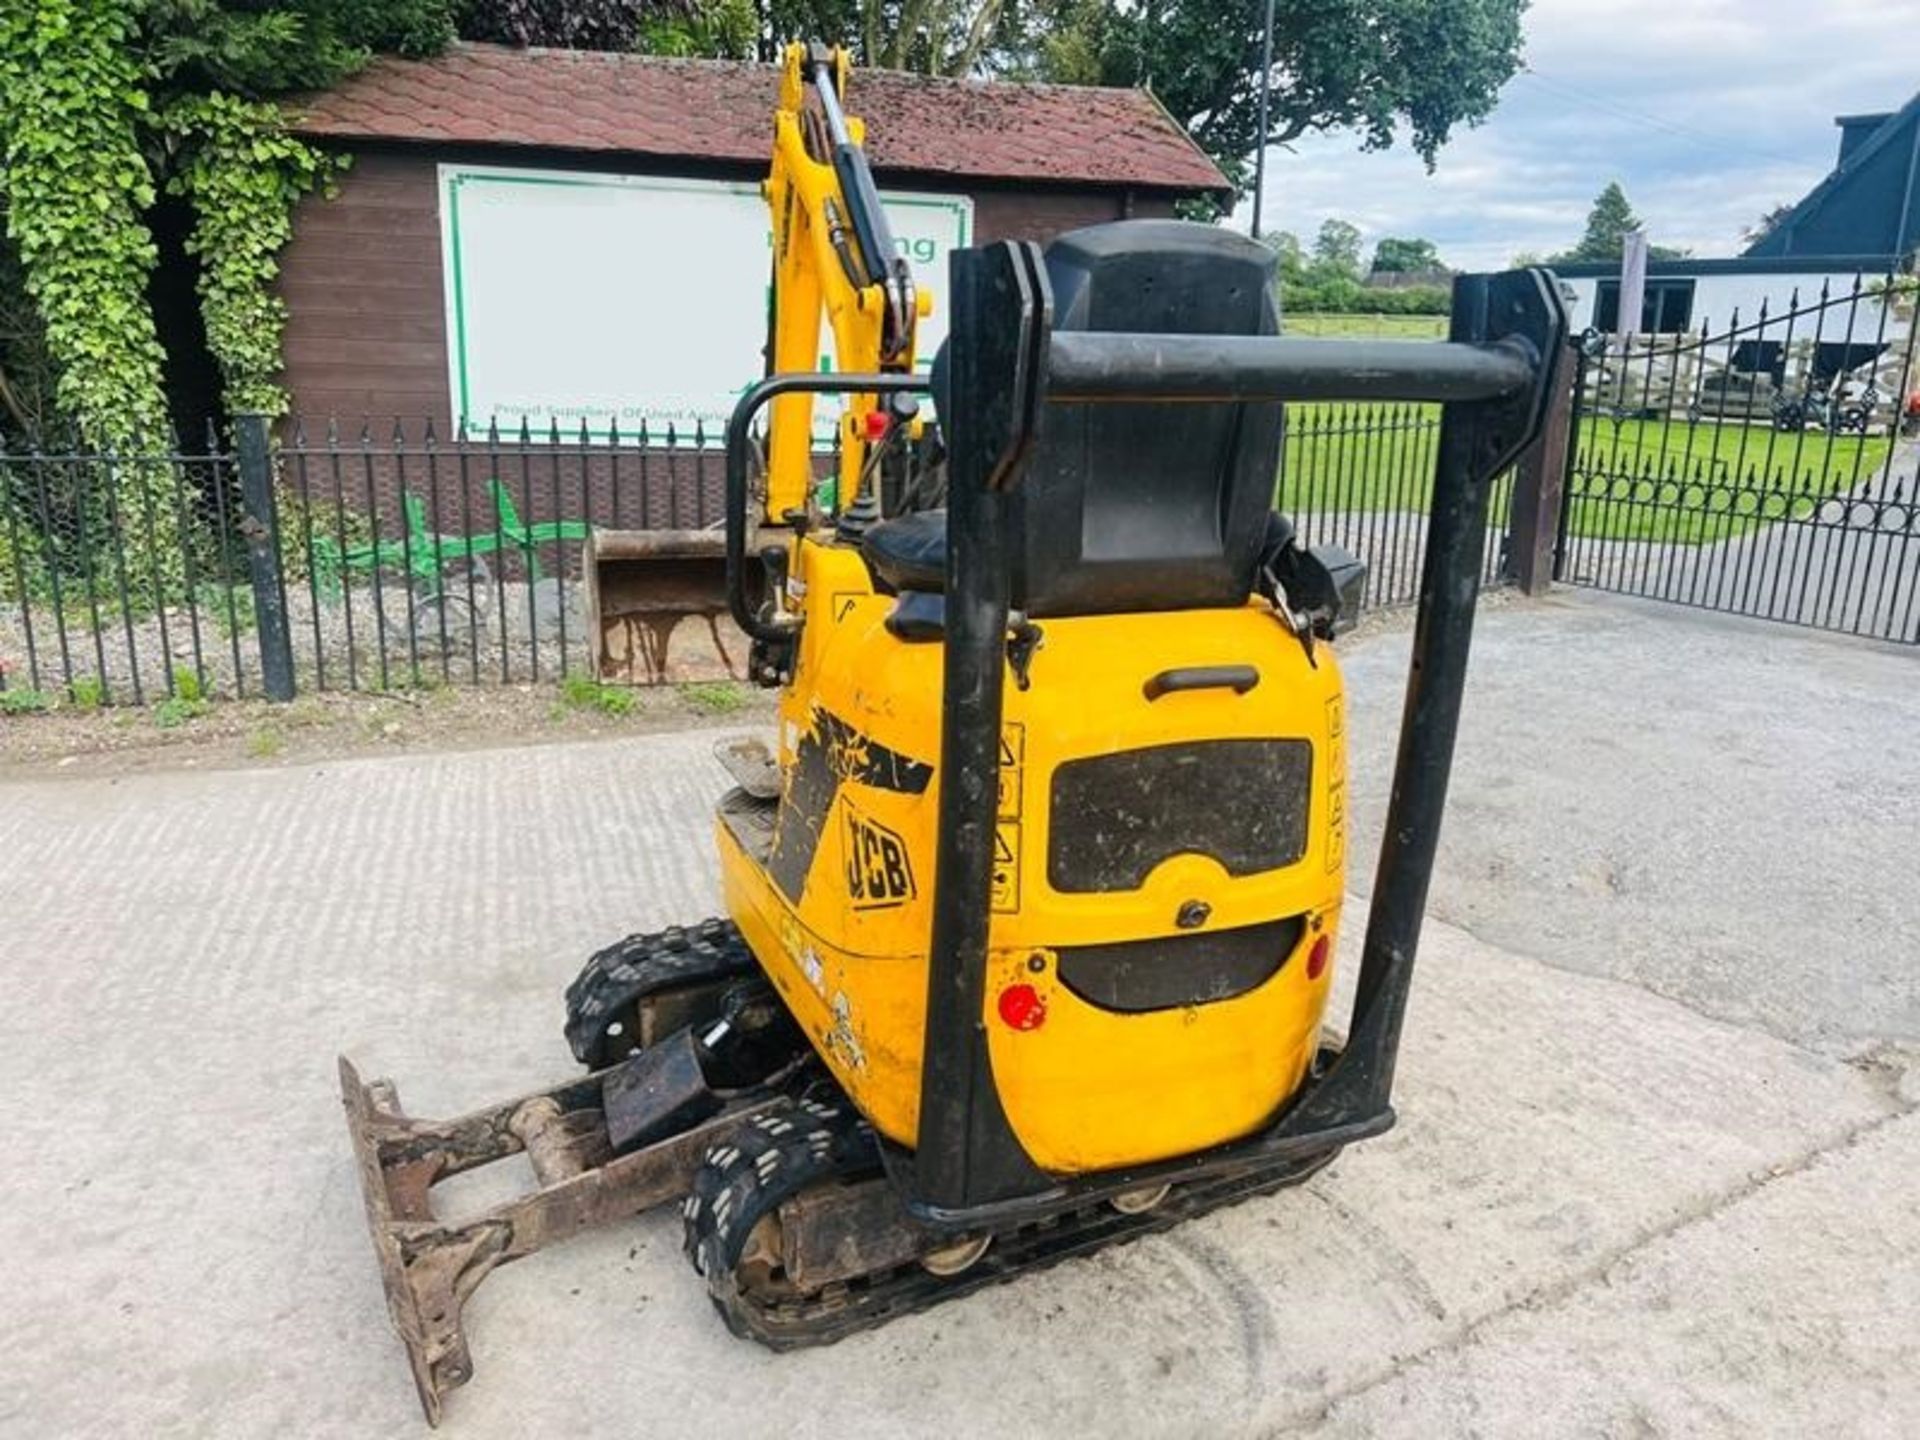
(1031, 905)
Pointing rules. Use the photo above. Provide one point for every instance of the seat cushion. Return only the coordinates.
(909, 552)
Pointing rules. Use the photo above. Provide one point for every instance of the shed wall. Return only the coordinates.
(362, 277)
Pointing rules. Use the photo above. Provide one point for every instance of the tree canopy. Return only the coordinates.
(1608, 224)
(1396, 256)
(1336, 249)
(270, 47)
(1767, 223)
(1327, 278)
(1377, 67)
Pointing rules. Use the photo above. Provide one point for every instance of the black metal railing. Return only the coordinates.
(321, 557)
(1361, 477)
(415, 560)
(123, 571)
(1765, 469)
(395, 560)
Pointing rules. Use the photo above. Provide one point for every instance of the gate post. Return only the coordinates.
(1539, 493)
(260, 528)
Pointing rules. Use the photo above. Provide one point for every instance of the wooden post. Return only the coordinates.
(1539, 485)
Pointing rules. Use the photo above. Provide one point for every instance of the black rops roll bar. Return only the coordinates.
(1494, 375)
(739, 449)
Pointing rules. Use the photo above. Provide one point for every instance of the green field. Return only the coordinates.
(1636, 479)
(1651, 479)
(1379, 327)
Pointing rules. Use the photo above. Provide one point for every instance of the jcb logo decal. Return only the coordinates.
(879, 873)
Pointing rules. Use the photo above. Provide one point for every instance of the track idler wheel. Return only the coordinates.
(957, 1258)
(1139, 1202)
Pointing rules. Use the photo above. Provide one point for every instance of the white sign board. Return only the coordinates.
(625, 298)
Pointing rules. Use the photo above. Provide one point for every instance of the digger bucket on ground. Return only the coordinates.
(640, 586)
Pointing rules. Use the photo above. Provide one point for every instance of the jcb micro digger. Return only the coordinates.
(1030, 909)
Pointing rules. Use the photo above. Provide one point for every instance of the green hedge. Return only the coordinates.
(1349, 297)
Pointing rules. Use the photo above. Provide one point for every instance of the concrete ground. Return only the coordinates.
(1654, 1173)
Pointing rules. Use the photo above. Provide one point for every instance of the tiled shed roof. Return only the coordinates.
(721, 110)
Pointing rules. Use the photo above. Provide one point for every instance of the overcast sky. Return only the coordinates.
(1708, 112)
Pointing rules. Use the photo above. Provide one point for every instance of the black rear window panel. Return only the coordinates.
(1115, 817)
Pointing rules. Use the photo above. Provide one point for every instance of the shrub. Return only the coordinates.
(579, 692)
(713, 697)
(176, 711)
(25, 702)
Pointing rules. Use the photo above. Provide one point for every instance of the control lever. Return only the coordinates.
(773, 560)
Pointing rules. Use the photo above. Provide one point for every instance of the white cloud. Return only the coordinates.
(1708, 112)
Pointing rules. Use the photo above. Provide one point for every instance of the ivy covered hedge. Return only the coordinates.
(73, 100)
(242, 174)
(105, 103)
(102, 104)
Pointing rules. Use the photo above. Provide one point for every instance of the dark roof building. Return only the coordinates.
(373, 327)
(1869, 205)
(604, 104)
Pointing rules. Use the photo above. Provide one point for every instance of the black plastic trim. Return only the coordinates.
(1174, 971)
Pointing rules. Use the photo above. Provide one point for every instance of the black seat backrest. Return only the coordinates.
(1152, 506)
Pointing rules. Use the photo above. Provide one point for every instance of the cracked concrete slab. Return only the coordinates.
(1580, 1162)
(1720, 810)
(1790, 1311)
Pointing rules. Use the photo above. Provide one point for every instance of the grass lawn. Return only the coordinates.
(1636, 479)
(1379, 327)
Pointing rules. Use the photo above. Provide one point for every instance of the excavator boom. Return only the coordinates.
(833, 254)
(835, 264)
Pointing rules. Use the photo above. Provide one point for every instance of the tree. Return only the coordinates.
(710, 28)
(1336, 249)
(1766, 224)
(256, 48)
(929, 37)
(1379, 67)
(1286, 245)
(1393, 256)
(715, 29)
(1607, 226)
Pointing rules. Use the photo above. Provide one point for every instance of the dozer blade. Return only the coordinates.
(429, 1268)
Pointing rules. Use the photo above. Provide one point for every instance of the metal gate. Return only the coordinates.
(1766, 469)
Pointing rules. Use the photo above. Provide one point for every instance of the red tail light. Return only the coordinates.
(1022, 1008)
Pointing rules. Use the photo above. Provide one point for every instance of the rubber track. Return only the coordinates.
(741, 1183)
(610, 987)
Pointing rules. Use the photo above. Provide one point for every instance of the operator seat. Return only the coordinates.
(1128, 507)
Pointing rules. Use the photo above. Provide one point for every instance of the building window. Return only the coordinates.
(1760, 357)
(1666, 308)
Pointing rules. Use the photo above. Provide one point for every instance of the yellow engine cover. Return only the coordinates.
(839, 907)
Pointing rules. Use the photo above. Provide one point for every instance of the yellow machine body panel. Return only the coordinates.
(840, 909)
